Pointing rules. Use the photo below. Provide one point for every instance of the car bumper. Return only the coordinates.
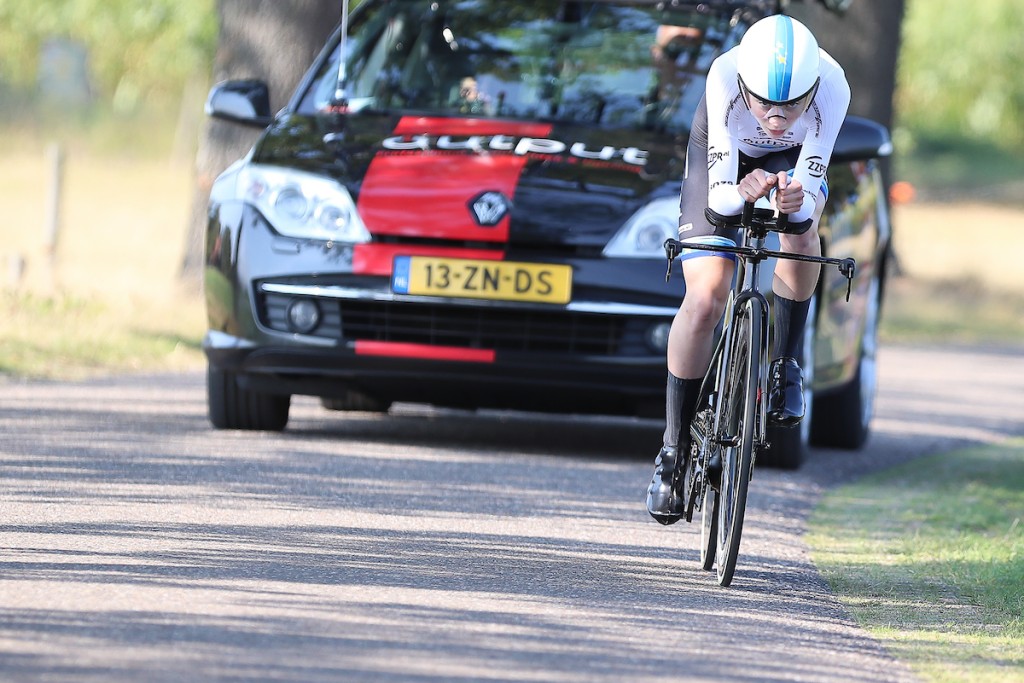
(509, 380)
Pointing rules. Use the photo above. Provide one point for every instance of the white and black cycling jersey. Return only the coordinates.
(732, 128)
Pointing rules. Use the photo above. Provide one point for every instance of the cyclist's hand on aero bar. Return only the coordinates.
(756, 184)
(759, 183)
(789, 196)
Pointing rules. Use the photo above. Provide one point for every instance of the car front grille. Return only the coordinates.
(485, 327)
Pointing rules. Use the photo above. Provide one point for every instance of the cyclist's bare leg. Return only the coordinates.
(796, 280)
(689, 352)
(708, 281)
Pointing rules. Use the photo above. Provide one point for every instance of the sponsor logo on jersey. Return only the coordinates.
(715, 156)
(816, 166)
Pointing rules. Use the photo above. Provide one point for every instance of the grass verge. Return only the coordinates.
(63, 337)
(929, 557)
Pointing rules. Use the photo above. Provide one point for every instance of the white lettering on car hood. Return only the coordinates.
(520, 146)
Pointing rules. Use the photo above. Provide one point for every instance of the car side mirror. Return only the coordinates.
(244, 101)
(861, 139)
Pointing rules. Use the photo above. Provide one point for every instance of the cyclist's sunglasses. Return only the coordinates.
(796, 104)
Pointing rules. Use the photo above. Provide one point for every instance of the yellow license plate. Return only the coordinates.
(480, 279)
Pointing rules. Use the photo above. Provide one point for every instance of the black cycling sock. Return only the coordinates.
(790, 320)
(680, 403)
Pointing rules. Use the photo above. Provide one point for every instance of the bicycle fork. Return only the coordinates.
(707, 430)
(761, 425)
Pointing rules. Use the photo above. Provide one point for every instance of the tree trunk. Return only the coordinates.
(866, 42)
(273, 40)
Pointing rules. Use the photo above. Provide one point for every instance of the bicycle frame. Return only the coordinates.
(745, 288)
(741, 292)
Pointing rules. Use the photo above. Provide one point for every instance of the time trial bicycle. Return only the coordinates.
(730, 424)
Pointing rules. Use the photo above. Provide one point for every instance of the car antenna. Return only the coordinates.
(339, 102)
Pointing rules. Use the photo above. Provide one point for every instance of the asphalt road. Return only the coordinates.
(140, 545)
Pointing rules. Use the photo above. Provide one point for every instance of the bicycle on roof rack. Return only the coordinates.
(730, 421)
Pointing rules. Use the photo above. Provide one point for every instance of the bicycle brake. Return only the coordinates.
(671, 252)
(847, 268)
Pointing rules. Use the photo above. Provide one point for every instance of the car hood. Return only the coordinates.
(474, 180)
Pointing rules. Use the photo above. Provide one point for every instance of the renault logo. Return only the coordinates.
(489, 208)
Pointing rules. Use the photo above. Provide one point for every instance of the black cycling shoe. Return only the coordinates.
(665, 499)
(785, 393)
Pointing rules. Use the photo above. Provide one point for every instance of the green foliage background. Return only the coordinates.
(138, 52)
(959, 71)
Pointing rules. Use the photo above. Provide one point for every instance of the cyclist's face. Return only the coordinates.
(776, 119)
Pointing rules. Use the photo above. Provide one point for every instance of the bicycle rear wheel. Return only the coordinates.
(737, 424)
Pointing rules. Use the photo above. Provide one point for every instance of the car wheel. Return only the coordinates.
(233, 407)
(843, 418)
(787, 446)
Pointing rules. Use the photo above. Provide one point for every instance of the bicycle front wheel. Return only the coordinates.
(737, 427)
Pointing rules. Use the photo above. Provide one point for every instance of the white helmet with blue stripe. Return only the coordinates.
(778, 61)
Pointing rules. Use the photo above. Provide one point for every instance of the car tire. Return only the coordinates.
(232, 407)
(842, 419)
(787, 446)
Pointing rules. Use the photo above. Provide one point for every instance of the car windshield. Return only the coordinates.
(609, 64)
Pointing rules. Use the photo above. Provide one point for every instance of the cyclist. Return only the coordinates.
(767, 123)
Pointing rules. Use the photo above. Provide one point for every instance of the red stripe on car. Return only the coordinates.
(406, 350)
(437, 125)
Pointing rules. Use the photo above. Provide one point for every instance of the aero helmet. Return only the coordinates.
(778, 60)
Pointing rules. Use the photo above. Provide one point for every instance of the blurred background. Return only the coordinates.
(101, 121)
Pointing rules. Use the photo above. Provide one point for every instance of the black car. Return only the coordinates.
(471, 214)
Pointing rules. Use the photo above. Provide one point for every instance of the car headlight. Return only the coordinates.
(644, 234)
(302, 205)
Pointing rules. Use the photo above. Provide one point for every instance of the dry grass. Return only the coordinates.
(108, 297)
(122, 228)
(959, 274)
(966, 241)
